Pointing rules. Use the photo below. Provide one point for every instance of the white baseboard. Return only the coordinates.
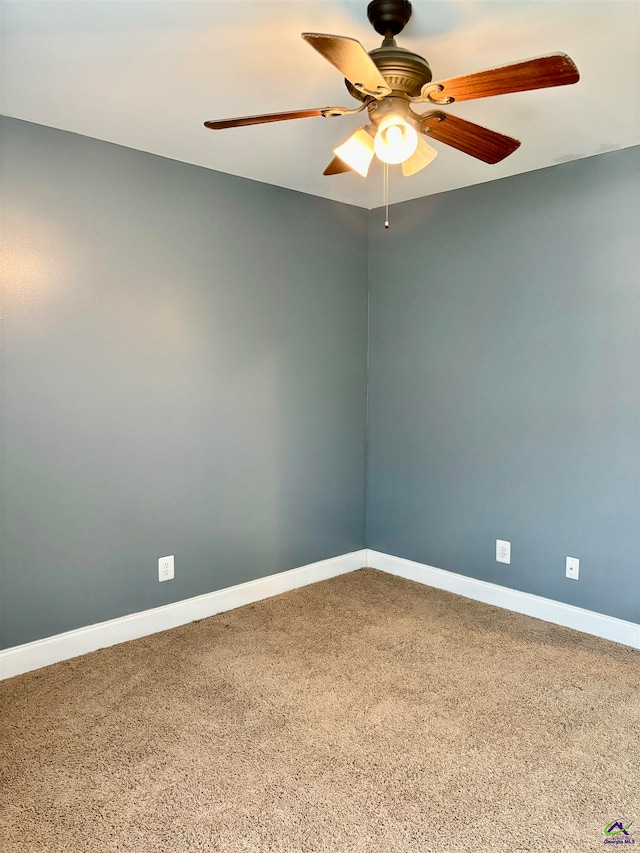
(30, 656)
(24, 658)
(587, 621)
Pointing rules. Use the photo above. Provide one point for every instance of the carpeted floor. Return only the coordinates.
(365, 713)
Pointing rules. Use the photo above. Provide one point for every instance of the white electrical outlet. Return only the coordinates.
(503, 551)
(166, 568)
(572, 568)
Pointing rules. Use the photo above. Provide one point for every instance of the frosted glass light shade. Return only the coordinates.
(395, 140)
(357, 152)
(422, 156)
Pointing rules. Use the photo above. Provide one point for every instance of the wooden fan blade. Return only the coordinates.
(554, 70)
(352, 61)
(337, 167)
(264, 119)
(479, 142)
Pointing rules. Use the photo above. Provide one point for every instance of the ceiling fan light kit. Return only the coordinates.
(389, 80)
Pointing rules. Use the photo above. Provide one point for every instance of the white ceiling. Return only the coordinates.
(147, 73)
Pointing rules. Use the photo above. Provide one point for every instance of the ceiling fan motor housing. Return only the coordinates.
(404, 71)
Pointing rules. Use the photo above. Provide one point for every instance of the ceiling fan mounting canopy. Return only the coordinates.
(389, 17)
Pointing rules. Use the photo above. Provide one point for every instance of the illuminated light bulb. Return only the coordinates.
(395, 140)
(357, 152)
(394, 136)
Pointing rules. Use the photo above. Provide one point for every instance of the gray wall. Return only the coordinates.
(184, 373)
(504, 381)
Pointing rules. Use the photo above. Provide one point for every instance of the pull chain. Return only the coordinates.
(385, 193)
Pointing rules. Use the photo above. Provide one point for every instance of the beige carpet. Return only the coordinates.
(365, 713)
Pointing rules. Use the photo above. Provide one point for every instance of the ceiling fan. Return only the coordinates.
(389, 80)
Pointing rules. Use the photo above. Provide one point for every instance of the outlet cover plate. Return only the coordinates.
(572, 569)
(503, 551)
(166, 568)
